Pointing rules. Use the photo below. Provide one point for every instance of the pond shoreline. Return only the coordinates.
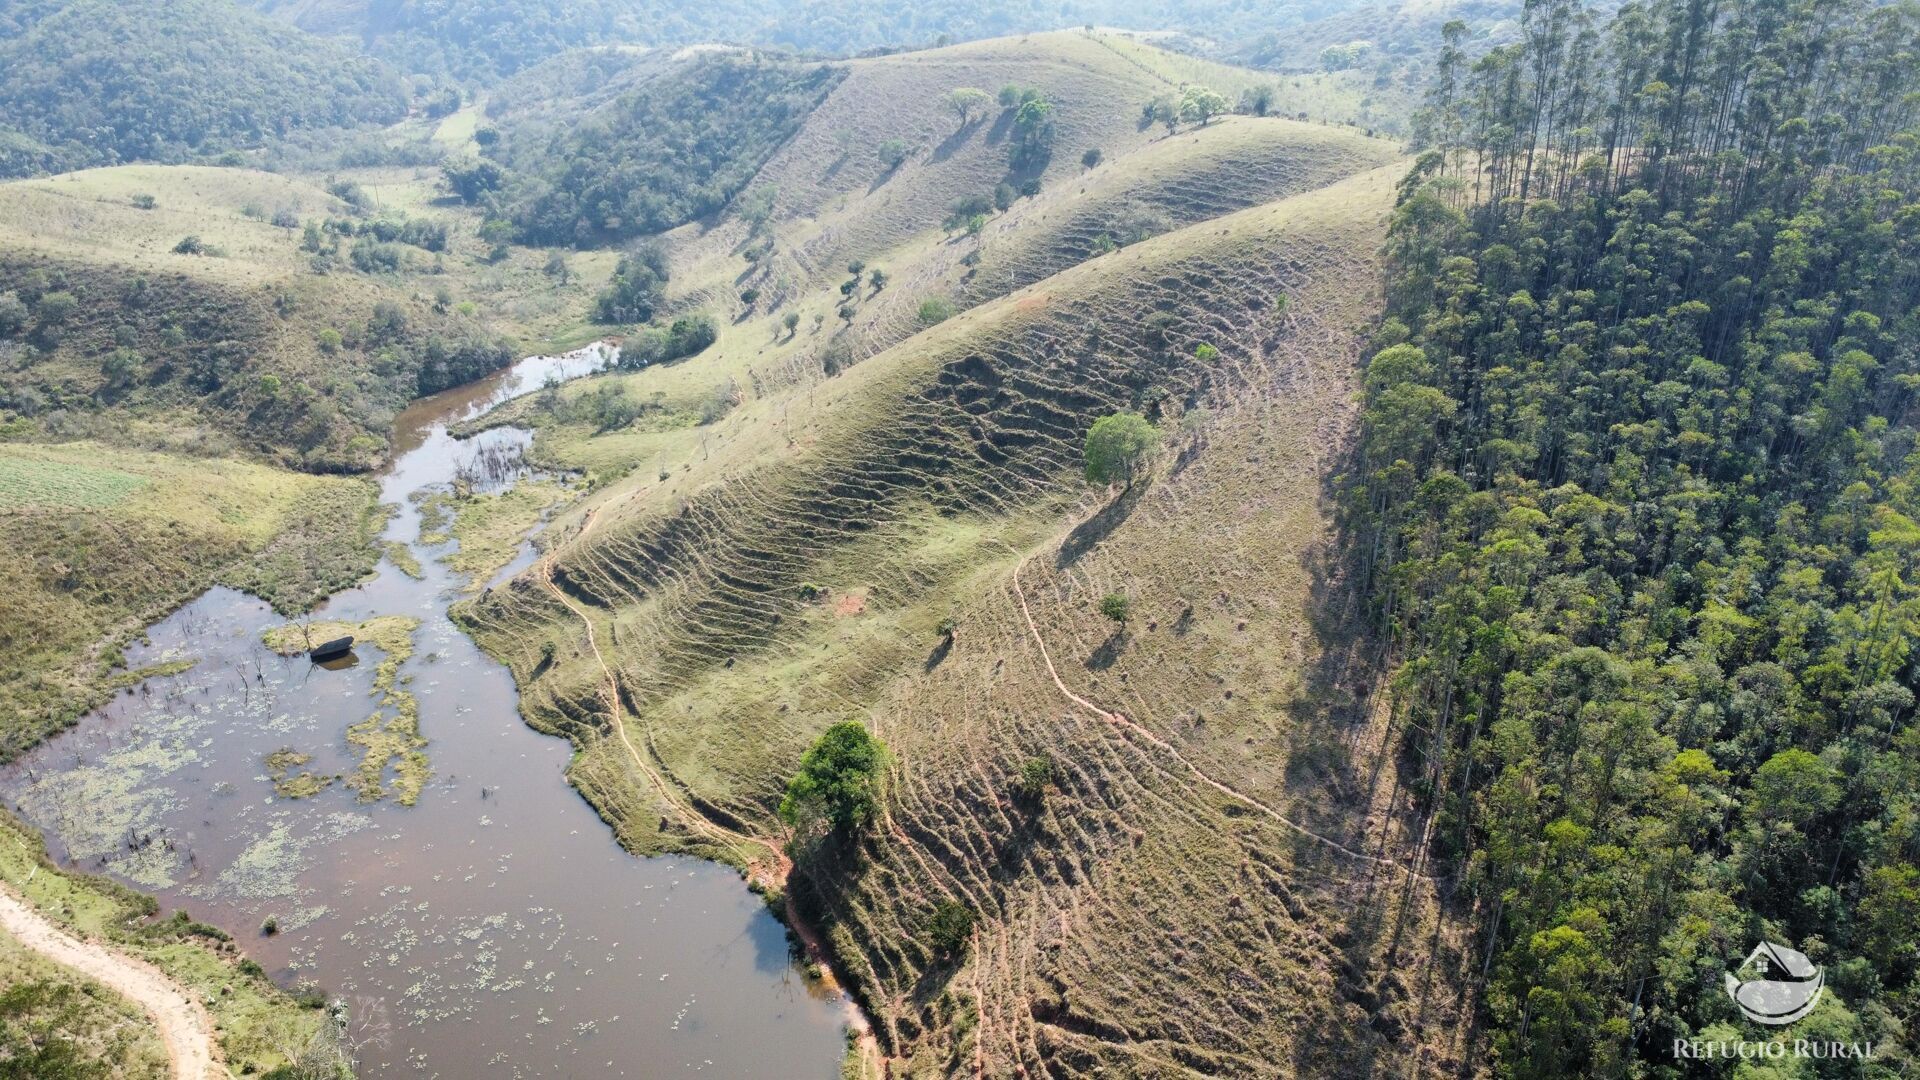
(426, 920)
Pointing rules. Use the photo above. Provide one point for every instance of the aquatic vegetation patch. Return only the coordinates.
(295, 785)
(390, 740)
(490, 527)
(401, 556)
(436, 516)
(90, 557)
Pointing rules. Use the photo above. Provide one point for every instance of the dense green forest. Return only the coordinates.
(1638, 501)
(480, 40)
(98, 82)
(677, 149)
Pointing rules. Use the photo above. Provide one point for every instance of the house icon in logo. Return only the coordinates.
(1784, 985)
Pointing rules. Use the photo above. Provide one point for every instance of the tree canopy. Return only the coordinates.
(1117, 445)
(1637, 505)
(838, 780)
(100, 82)
(677, 149)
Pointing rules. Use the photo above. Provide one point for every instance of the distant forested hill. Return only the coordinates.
(98, 82)
(673, 150)
(485, 39)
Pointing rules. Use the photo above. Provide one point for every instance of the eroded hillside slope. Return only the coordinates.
(1216, 880)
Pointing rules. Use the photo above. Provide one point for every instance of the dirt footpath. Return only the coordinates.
(183, 1023)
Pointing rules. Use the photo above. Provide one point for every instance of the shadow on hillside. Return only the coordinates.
(888, 173)
(938, 655)
(1391, 991)
(1088, 534)
(955, 141)
(1002, 127)
(1103, 657)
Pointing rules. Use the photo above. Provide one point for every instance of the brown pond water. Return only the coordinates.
(493, 929)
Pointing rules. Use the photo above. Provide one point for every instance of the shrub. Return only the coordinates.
(472, 181)
(1036, 775)
(144, 201)
(935, 309)
(893, 153)
(638, 282)
(376, 257)
(1116, 606)
(687, 335)
(14, 313)
(1091, 158)
(190, 245)
(966, 208)
(56, 307)
(951, 927)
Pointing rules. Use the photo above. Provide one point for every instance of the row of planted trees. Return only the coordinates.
(1636, 504)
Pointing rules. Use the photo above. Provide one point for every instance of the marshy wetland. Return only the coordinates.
(387, 829)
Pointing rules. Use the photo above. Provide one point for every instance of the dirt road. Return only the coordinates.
(183, 1024)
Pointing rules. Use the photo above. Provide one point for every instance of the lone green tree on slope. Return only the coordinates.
(837, 783)
(968, 101)
(1117, 446)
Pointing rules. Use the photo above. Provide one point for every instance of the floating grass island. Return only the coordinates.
(395, 762)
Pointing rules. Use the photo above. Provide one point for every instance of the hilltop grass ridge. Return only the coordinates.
(792, 575)
(835, 197)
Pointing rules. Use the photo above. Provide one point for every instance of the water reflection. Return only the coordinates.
(494, 928)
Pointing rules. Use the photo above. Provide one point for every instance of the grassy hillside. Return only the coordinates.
(99, 82)
(53, 1018)
(98, 541)
(833, 196)
(259, 342)
(787, 566)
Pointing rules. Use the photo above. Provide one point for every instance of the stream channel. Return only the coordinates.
(492, 929)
